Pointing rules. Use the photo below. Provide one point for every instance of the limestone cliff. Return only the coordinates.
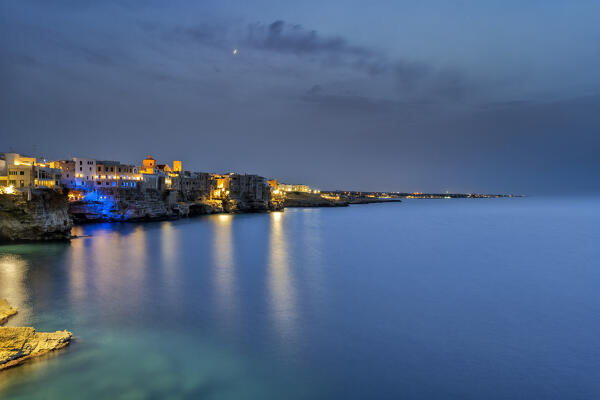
(38, 214)
(145, 205)
(124, 205)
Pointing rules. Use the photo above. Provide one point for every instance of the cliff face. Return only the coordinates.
(246, 206)
(147, 205)
(124, 205)
(42, 215)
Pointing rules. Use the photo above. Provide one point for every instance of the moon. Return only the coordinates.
(235, 51)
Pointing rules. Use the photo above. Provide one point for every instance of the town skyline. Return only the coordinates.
(393, 96)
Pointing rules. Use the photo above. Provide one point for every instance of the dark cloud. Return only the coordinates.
(414, 80)
(293, 38)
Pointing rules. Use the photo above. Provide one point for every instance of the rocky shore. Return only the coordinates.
(45, 214)
(18, 344)
(152, 205)
(299, 199)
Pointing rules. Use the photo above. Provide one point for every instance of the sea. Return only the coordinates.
(424, 299)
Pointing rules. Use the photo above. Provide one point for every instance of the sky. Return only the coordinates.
(465, 96)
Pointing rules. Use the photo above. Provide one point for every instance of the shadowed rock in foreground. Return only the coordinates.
(34, 215)
(18, 344)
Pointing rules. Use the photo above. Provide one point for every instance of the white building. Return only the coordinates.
(85, 170)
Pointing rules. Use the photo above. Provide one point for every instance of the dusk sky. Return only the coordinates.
(465, 96)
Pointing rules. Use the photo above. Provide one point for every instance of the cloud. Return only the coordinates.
(293, 38)
(413, 80)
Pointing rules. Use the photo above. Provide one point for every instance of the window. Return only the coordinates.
(80, 162)
(81, 168)
(22, 173)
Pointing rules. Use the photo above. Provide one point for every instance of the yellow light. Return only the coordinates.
(10, 189)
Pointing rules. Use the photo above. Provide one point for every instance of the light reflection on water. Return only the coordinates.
(224, 261)
(281, 288)
(13, 287)
(170, 260)
(463, 299)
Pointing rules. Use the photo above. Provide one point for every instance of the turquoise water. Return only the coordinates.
(425, 299)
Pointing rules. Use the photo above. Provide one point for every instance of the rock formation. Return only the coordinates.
(18, 344)
(6, 311)
(37, 214)
(116, 204)
(113, 205)
(299, 199)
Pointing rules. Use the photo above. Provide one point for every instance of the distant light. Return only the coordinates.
(235, 51)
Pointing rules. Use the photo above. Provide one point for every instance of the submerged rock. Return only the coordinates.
(18, 344)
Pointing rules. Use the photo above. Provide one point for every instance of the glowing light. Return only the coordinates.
(235, 51)
(9, 190)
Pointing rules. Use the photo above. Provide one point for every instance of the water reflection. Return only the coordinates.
(111, 265)
(313, 254)
(281, 288)
(169, 240)
(77, 273)
(13, 286)
(224, 263)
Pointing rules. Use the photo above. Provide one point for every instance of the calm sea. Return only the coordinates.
(425, 299)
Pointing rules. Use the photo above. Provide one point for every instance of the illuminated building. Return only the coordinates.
(26, 172)
(286, 187)
(85, 170)
(221, 189)
(115, 174)
(177, 166)
(148, 166)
